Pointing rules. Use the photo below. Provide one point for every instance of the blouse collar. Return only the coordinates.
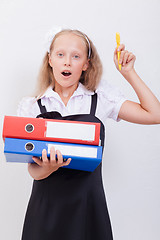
(81, 90)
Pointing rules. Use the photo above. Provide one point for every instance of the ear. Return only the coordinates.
(49, 59)
(86, 65)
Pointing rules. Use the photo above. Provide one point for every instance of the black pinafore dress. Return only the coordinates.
(69, 204)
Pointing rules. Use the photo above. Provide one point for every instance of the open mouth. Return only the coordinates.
(66, 73)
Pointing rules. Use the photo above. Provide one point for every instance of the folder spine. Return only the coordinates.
(46, 130)
(22, 150)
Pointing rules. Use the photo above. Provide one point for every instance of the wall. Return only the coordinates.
(131, 163)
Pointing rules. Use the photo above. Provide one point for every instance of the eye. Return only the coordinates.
(76, 56)
(60, 54)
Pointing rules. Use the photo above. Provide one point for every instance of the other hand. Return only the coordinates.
(52, 164)
(126, 60)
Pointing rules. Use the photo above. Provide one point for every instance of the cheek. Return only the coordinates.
(55, 66)
(55, 70)
(78, 67)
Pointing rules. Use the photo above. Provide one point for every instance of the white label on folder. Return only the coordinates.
(78, 151)
(84, 132)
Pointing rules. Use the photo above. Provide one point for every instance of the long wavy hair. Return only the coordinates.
(89, 78)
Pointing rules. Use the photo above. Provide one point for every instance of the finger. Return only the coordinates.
(44, 156)
(125, 58)
(131, 56)
(122, 56)
(37, 160)
(59, 157)
(52, 155)
(67, 162)
(121, 47)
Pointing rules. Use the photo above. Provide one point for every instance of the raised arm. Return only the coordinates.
(148, 110)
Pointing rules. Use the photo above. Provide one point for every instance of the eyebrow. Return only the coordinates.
(72, 51)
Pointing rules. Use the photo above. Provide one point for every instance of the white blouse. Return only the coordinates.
(109, 103)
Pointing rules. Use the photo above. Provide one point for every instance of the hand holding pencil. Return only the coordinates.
(123, 59)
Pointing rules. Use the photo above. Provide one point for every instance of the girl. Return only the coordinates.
(65, 203)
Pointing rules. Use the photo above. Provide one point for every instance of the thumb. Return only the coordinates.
(37, 160)
(115, 51)
(115, 57)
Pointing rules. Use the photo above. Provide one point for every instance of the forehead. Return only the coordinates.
(70, 40)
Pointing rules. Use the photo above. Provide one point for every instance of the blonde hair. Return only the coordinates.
(89, 78)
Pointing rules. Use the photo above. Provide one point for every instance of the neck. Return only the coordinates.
(65, 92)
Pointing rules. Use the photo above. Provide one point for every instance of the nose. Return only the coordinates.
(67, 61)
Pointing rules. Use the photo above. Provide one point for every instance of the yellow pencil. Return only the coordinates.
(118, 53)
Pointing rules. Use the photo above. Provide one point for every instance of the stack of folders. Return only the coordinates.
(27, 137)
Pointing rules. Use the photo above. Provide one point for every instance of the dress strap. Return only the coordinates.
(42, 108)
(93, 104)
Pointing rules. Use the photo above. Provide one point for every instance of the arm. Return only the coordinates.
(148, 110)
(43, 168)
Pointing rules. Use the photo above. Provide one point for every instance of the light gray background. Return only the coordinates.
(131, 163)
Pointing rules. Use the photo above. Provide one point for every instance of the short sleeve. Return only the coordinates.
(110, 100)
(27, 107)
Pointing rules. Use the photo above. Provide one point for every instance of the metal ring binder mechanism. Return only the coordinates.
(29, 146)
(29, 128)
